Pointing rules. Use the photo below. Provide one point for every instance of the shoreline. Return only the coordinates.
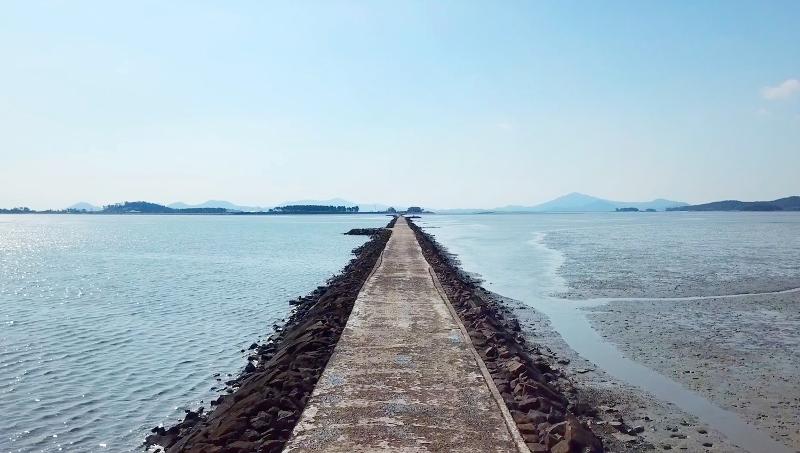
(263, 404)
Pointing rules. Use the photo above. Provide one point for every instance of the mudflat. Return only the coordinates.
(739, 352)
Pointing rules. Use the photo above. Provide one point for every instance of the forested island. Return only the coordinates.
(313, 209)
(144, 207)
(781, 204)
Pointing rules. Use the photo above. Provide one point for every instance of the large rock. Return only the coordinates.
(580, 438)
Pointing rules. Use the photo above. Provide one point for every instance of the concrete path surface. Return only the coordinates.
(404, 376)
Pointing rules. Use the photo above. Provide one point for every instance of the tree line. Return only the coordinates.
(144, 207)
(313, 209)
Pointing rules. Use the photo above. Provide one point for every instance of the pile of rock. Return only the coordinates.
(533, 391)
(363, 231)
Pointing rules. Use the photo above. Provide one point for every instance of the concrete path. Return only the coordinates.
(404, 376)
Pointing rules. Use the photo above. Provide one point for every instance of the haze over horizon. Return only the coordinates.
(445, 105)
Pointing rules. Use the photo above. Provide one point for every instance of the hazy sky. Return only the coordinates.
(436, 103)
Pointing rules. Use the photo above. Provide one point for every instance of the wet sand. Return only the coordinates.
(742, 353)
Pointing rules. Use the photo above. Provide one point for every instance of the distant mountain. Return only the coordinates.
(578, 202)
(84, 206)
(659, 204)
(217, 204)
(781, 204)
(788, 203)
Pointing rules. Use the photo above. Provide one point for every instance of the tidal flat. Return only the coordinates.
(664, 426)
(739, 352)
(644, 312)
(715, 311)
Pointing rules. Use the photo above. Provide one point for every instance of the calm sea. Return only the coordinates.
(110, 325)
(585, 256)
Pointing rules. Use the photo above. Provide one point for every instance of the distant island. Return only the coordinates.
(570, 203)
(144, 207)
(229, 206)
(313, 209)
(581, 203)
(781, 204)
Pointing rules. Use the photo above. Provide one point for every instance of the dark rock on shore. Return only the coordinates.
(363, 231)
(536, 394)
(267, 399)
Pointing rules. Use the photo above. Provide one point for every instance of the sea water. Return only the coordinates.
(110, 325)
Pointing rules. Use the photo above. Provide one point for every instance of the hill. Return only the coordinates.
(781, 204)
(788, 203)
(144, 207)
(578, 202)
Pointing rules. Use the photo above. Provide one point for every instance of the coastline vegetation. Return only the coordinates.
(313, 209)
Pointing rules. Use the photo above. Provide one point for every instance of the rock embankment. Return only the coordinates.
(540, 398)
(267, 399)
(363, 231)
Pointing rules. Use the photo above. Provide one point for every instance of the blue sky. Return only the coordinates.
(442, 104)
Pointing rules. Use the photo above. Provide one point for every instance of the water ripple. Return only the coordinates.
(112, 325)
